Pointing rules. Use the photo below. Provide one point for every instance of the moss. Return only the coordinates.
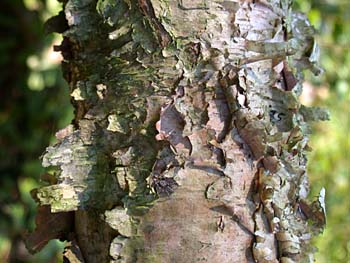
(206, 108)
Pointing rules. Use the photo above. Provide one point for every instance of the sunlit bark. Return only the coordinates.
(188, 143)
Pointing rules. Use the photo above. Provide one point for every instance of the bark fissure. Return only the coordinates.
(189, 141)
(163, 35)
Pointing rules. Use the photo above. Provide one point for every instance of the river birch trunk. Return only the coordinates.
(188, 143)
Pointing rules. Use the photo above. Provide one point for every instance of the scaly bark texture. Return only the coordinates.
(188, 143)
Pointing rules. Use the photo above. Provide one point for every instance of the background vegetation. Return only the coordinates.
(34, 104)
(329, 163)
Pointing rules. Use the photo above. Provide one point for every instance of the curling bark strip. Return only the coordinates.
(188, 143)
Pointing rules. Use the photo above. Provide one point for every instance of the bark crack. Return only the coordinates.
(148, 10)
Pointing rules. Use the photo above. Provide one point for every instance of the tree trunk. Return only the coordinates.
(188, 143)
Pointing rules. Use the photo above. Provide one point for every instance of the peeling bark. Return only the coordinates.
(188, 143)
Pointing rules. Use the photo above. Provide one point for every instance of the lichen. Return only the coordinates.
(196, 97)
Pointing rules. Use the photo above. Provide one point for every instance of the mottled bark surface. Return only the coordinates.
(188, 143)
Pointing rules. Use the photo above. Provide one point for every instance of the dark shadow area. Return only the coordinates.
(34, 103)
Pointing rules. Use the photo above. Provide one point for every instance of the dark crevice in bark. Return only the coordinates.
(206, 168)
(147, 9)
(173, 116)
(225, 115)
(166, 161)
(163, 186)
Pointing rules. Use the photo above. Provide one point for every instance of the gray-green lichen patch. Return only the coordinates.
(81, 180)
(117, 123)
(165, 90)
(117, 249)
(314, 113)
(119, 220)
(59, 197)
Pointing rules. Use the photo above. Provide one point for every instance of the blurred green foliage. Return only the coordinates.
(329, 162)
(34, 103)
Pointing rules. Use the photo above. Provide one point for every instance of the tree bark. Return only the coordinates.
(188, 143)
